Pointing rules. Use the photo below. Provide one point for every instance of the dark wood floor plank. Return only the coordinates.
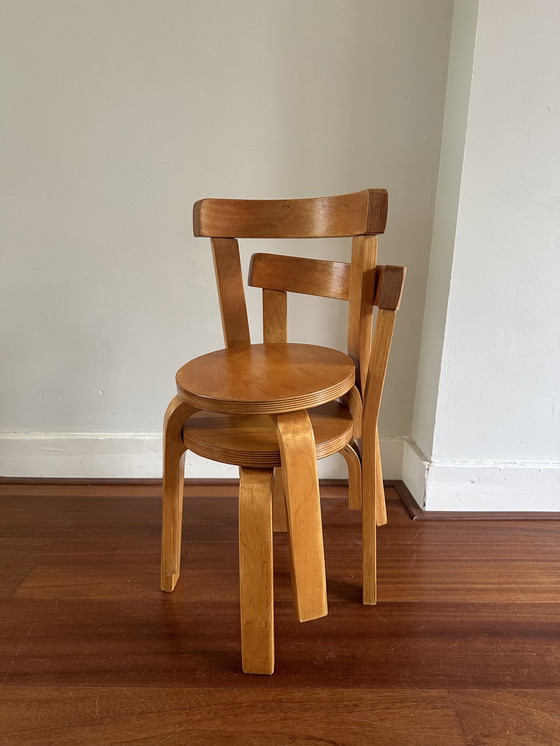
(17, 558)
(509, 718)
(182, 643)
(51, 715)
(114, 553)
(131, 488)
(469, 614)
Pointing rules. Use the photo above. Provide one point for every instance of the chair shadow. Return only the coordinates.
(343, 590)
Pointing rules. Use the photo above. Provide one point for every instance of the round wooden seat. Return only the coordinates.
(265, 378)
(252, 440)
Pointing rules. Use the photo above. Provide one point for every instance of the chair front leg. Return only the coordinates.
(174, 452)
(303, 510)
(256, 570)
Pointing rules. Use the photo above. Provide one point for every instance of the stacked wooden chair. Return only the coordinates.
(274, 408)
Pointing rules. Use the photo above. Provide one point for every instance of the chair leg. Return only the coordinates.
(256, 570)
(279, 520)
(174, 452)
(303, 509)
(369, 523)
(379, 489)
(354, 464)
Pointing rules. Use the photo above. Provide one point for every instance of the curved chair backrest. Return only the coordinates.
(326, 279)
(356, 214)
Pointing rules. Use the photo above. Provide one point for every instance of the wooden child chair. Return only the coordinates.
(276, 404)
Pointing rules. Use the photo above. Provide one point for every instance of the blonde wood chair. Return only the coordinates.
(248, 404)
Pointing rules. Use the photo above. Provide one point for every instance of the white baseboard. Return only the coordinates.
(87, 455)
(414, 472)
(135, 455)
(437, 485)
(481, 485)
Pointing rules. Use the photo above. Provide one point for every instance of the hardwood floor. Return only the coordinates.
(462, 649)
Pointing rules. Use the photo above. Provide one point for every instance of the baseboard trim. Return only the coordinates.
(473, 487)
(108, 480)
(418, 514)
(405, 496)
(136, 455)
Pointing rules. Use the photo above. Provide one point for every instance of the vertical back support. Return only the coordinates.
(360, 307)
(275, 316)
(231, 293)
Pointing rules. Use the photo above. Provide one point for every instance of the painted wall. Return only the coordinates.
(118, 116)
(445, 221)
(496, 433)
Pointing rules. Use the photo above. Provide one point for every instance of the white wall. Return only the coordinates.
(445, 221)
(496, 433)
(118, 116)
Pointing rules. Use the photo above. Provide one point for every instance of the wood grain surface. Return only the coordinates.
(275, 316)
(176, 415)
(251, 440)
(352, 214)
(351, 456)
(279, 517)
(389, 284)
(256, 587)
(298, 275)
(303, 512)
(231, 292)
(360, 306)
(264, 379)
(463, 648)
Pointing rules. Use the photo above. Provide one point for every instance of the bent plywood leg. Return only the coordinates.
(279, 521)
(354, 464)
(352, 400)
(369, 523)
(256, 570)
(173, 482)
(379, 489)
(303, 509)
